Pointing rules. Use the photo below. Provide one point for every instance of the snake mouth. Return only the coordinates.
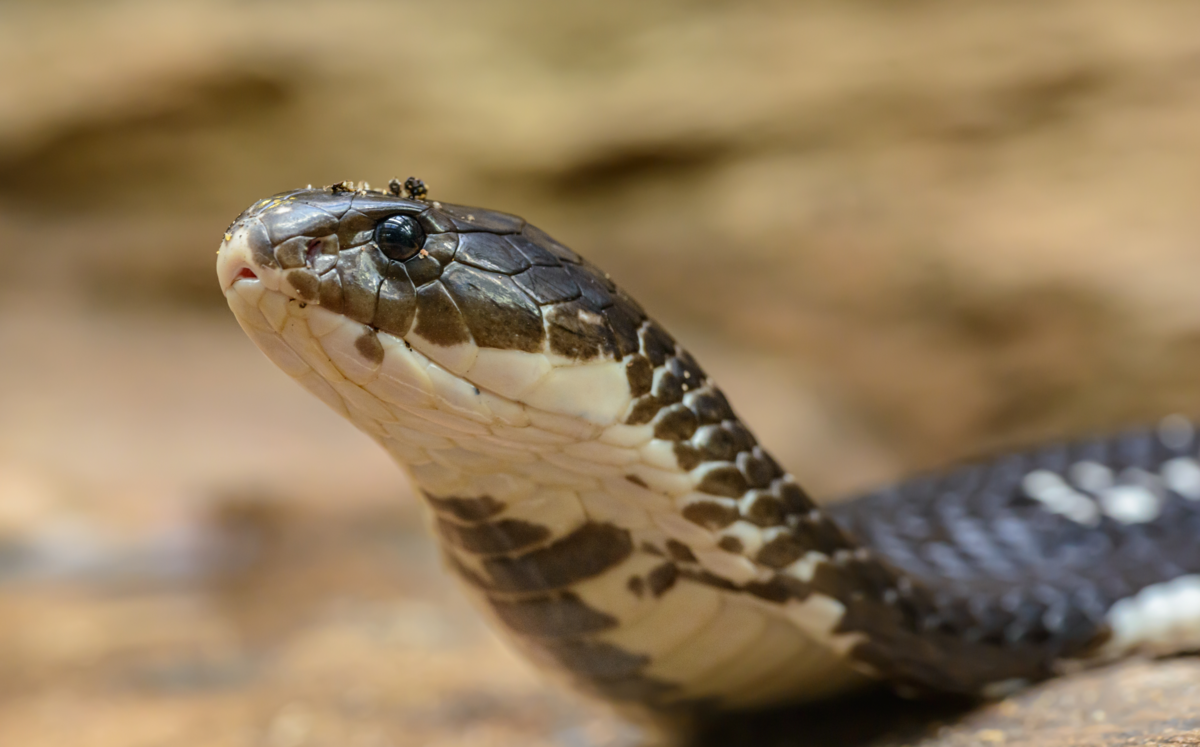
(236, 261)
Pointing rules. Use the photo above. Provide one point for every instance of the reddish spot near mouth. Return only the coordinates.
(245, 274)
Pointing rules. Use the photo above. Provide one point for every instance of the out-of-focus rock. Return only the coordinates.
(1131, 703)
(1136, 703)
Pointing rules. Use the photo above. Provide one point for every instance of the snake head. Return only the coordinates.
(579, 464)
(491, 300)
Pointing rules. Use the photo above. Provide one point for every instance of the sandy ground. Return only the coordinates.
(899, 235)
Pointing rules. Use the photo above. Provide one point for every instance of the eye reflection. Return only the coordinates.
(399, 237)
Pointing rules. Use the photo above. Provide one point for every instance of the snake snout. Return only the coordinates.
(240, 258)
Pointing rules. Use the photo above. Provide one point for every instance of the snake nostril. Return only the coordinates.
(245, 274)
(313, 251)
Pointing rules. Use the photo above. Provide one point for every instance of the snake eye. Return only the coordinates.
(399, 237)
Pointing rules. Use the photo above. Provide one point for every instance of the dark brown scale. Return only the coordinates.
(496, 311)
(575, 334)
(292, 253)
(777, 590)
(368, 346)
(643, 410)
(435, 221)
(708, 578)
(675, 423)
(547, 285)
(685, 367)
(397, 303)
(661, 578)
(725, 480)
(710, 514)
(640, 374)
(423, 270)
(820, 534)
(261, 248)
(668, 388)
(438, 319)
(743, 439)
(467, 509)
(305, 282)
(637, 689)
(637, 481)
(874, 576)
(602, 276)
(680, 551)
(636, 585)
(586, 552)
(490, 252)
(764, 510)
(657, 345)
(320, 249)
(650, 549)
(758, 468)
(329, 292)
(493, 538)
(299, 220)
(710, 406)
(355, 229)
(624, 323)
(377, 206)
(715, 443)
(687, 456)
(541, 239)
(840, 582)
(441, 247)
(629, 304)
(535, 254)
(780, 552)
(361, 277)
(795, 500)
(592, 287)
(600, 661)
(467, 219)
(334, 203)
(730, 544)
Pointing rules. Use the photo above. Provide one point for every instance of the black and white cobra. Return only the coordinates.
(607, 509)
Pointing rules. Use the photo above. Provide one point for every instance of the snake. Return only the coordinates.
(606, 509)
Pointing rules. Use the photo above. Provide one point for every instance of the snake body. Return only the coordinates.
(606, 508)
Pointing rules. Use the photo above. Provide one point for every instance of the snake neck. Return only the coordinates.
(647, 559)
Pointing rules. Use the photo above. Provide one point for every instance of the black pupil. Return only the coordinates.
(399, 237)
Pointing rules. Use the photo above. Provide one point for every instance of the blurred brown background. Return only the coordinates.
(899, 233)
